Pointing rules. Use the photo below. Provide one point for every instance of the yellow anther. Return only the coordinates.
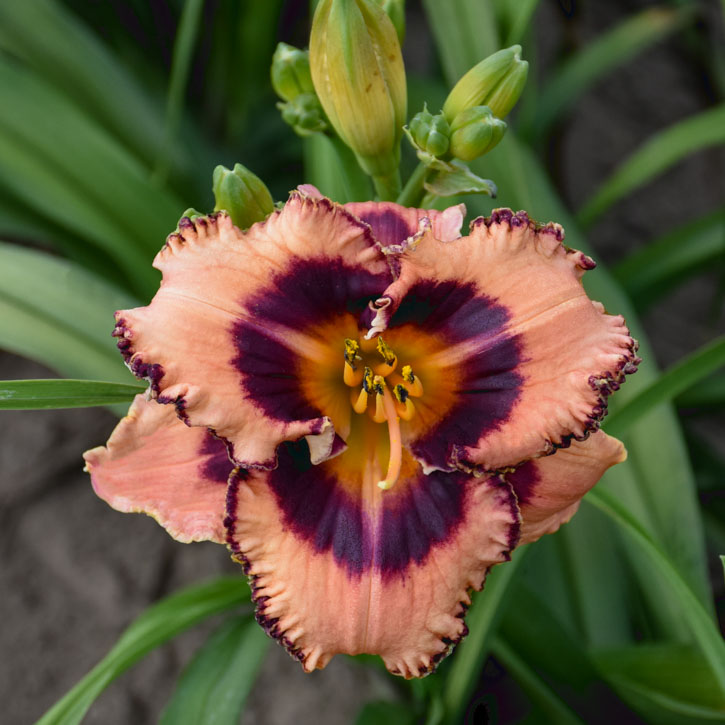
(367, 380)
(352, 350)
(379, 384)
(412, 382)
(360, 404)
(352, 377)
(387, 354)
(403, 405)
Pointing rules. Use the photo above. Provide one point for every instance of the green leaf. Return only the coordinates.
(703, 628)
(47, 394)
(43, 316)
(542, 696)
(662, 265)
(611, 49)
(665, 683)
(457, 179)
(694, 368)
(214, 686)
(482, 622)
(156, 625)
(380, 712)
(707, 393)
(656, 155)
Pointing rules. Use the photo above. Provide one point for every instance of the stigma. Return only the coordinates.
(384, 394)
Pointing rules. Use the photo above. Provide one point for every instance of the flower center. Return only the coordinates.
(384, 394)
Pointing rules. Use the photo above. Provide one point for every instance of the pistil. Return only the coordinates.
(396, 444)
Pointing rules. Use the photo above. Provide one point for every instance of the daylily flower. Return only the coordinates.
(360, 403)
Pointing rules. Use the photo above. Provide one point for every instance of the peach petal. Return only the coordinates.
(572, 354)
(350, 596)
(188, 342)
(155, 464)
(550, 489)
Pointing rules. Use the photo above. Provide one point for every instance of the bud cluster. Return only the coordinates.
(292, 82)
(470, 123)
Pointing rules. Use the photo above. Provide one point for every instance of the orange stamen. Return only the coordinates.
(352, 377)
(396, 444)
(360, 404)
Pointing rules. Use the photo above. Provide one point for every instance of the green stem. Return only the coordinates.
(413, 191)
(387, 187)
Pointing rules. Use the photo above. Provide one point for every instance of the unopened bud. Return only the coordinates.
(304, 113)
(396, 12)
(242, 194)
(496, 82)
(430, 133)
(290, 72)
(357, 70)
(475, 132)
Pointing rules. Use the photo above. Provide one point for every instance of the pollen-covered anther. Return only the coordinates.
(412, 382)
(390, 360)
(404, 405)
(352, 374)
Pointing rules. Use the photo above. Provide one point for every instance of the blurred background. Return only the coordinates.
(113, 114)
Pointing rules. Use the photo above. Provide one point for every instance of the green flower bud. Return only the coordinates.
(290, 72)
(396, 12)
(304, 114)
(430, 133)
(242, 194)
(475, 132)
(357, 70)
(496, 82)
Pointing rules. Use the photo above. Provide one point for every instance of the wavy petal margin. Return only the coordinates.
(550, 489)
(155, 464)
(205, 327)
(572, 354)
(371, 572)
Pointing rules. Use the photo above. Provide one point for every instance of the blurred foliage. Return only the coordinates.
(112, 118)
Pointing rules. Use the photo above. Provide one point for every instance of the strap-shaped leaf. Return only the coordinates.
(155, 626)
(47, 394)
(544, 698)
(662, 265)
(611, 49)
(655, 156)
(664, 683)
(704, 630)
(214, 686)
